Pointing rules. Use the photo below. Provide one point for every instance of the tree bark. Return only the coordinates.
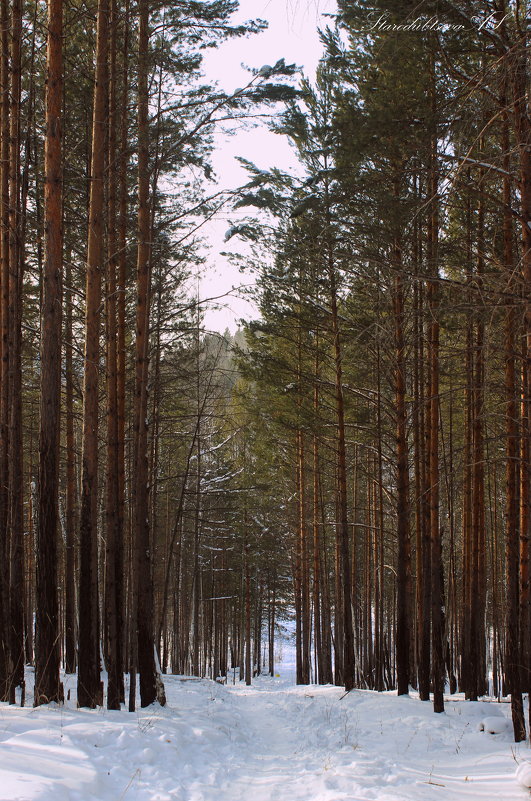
(143, 557)
(47, 685)
(89, 687)
(5, 656)
(518, 75)
(403, 611)
(113, 533)
(437, 572)
(71, 489)
(16, 483)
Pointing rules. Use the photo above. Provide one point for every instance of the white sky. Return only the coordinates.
(292, 34)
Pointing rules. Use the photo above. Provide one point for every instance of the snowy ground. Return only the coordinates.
(273, 741)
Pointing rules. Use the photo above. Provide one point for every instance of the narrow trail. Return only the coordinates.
(276, 759)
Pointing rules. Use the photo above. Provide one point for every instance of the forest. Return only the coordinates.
(354, 463)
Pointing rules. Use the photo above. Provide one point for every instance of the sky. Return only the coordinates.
(292, 34)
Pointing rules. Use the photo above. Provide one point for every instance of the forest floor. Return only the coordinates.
(273, 741)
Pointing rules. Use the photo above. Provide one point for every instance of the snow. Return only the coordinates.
(523, 774)
(494, 724)
(279, 741)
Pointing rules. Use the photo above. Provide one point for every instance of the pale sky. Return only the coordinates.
(292, 34)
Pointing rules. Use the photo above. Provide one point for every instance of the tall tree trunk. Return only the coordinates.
(320, 666)
(304, 587)
(89, 687)
(121, 369)
(143, 558)
(71, 489)
(379, 550)
(5, 668)
(47, 685)
(466, 617)
(196, 575)
(477, 629)
(27, 539)
(518, 74)
(248, 646)
(403, 610)
(271, 637)
(112, 516)
(342, 526)
(16, 482)
(437, 574)
(423, 560)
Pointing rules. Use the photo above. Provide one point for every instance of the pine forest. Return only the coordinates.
(346, 474)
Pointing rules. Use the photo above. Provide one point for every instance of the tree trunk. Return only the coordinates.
(437, 573)
(518, 74)
(16, 480)
(143, 557)
(71, 489)
(47, 685)
(121, 369)
(403, 611)
(112, 514)
(5, 668)
(89, 687)
(248, 672)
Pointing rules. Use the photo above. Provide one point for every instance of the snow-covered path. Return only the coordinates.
(269, 742)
